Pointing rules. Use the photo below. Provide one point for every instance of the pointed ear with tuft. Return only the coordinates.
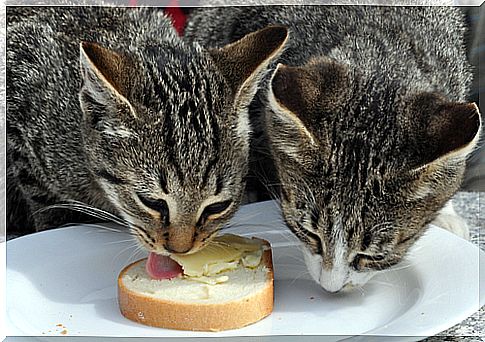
(244, 62)
(106, 86)
(448, 129)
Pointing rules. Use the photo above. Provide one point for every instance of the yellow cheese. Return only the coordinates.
(210, 280)
(223, 253)
(252, 259)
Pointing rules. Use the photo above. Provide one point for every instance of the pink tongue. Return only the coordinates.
(162, 267)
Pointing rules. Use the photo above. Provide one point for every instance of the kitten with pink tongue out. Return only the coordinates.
(161, 267)
(157, 137)
(187, 212)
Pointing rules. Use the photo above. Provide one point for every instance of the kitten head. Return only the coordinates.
(167, 133)
(364, 165)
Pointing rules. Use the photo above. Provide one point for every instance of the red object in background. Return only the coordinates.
(174, 12)
(178, 17)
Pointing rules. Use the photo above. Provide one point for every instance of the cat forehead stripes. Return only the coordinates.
(191, 146)
(367, 110)
(189, 98)
(196, 102)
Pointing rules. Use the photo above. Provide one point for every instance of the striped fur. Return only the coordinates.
(132, 121)
(367, 124)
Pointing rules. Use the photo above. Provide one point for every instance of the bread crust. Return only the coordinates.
(198, 317)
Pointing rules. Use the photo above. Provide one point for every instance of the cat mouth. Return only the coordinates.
(161, 267)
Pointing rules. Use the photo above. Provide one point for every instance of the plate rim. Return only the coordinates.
(457, 319)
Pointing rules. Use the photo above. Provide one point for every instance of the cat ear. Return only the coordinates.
(105, 85)
(244, 62)
(321, 84)
(447, 129)
(288, 132)
(298, 97)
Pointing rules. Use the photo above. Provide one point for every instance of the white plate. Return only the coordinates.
(67, 277)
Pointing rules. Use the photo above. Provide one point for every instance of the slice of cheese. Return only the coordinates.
(211, 280)
(222, 254)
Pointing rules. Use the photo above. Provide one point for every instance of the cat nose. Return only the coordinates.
(180, 239)
(171, 250)
(332, 291)
(333, 280)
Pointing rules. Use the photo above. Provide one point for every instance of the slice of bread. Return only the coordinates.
(187, 304)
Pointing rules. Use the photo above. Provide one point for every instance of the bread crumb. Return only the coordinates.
(64, 332)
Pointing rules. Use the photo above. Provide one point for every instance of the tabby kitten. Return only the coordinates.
(366, 123)
(109, 108)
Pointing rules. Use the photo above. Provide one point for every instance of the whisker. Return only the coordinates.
(250, 225)
(247, 216)
(382, 283)
(268, 185)
(299, 259)
(72, 204)
(86, 209)
(102, 228)
(393, 268)
(124, 250)
(360, 288)
(300, 275)
(136, 252)
(118, 242)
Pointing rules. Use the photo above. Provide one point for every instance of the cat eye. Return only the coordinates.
(360, 261)
(403, 240)
(159, 205)
(110, 177)
(376, 257)
(213, 209)
(313, 240)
